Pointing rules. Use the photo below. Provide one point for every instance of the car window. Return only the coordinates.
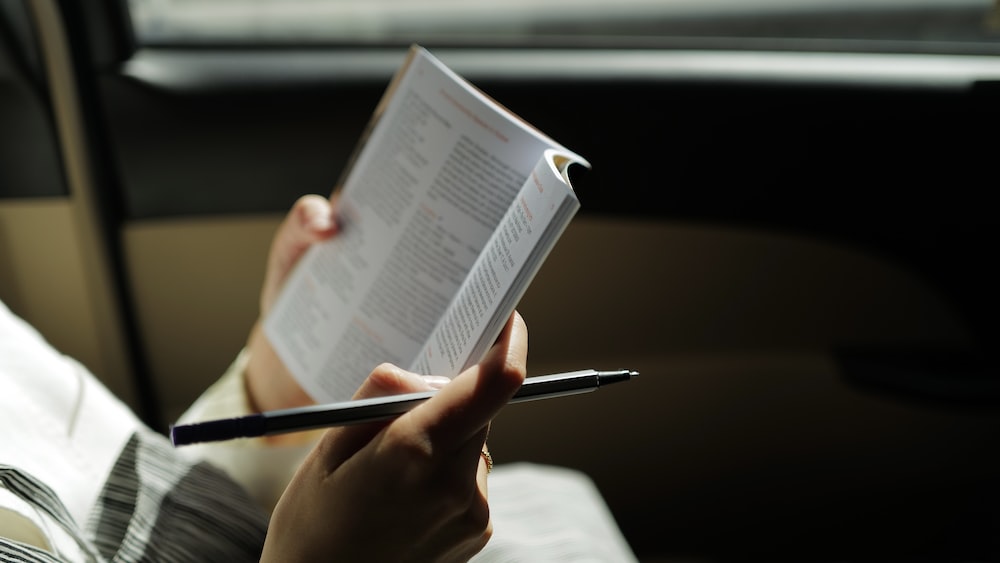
(945, 26)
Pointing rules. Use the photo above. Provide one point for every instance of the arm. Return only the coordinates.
(257, 380)
(269, 384)
(413, 489)
(417, 484)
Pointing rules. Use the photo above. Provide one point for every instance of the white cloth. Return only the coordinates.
(58, 424)
(547, 513)
(263, 469)
(70, 429)
(82, 479)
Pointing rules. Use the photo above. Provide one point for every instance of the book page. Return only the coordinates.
(440, 167)
(501, 274)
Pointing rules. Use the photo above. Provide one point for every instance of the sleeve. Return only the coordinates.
(16, 525)
(260, 466)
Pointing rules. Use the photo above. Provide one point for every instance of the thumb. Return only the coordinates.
(341, 443)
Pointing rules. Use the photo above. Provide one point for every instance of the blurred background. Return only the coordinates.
(787, 230)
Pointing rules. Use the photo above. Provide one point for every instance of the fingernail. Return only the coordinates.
(436, 381)
(321, 221)
(317, 216)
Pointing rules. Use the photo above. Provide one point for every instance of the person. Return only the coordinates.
(82, 479)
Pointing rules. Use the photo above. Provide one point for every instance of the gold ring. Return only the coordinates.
(487, 458)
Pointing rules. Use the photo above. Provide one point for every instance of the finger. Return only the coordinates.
(310, 220)
(466, 405)
(388, 379)
(343, 442)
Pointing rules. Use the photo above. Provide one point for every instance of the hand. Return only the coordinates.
(410, 490)
(269, 384)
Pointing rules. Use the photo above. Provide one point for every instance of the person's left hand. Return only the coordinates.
(269, 384)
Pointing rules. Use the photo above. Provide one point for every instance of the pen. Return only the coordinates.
(378, 408)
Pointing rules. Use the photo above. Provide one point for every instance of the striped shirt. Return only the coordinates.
(153, 506)
(82, 479)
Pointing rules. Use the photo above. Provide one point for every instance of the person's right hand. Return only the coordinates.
(410, 490)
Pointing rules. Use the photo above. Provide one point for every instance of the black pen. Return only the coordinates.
(378, 408)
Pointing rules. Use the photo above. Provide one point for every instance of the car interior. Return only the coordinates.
(785, 230)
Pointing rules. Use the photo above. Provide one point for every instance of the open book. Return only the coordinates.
(447, 210)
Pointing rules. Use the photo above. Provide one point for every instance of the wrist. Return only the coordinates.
(269, 385)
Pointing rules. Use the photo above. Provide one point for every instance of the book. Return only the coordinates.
(447, 209)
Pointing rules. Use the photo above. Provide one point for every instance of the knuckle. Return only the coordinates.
(408, 449)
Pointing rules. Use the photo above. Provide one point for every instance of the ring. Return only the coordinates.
(487, 458)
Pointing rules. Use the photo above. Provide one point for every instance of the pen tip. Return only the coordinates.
(633, 373)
